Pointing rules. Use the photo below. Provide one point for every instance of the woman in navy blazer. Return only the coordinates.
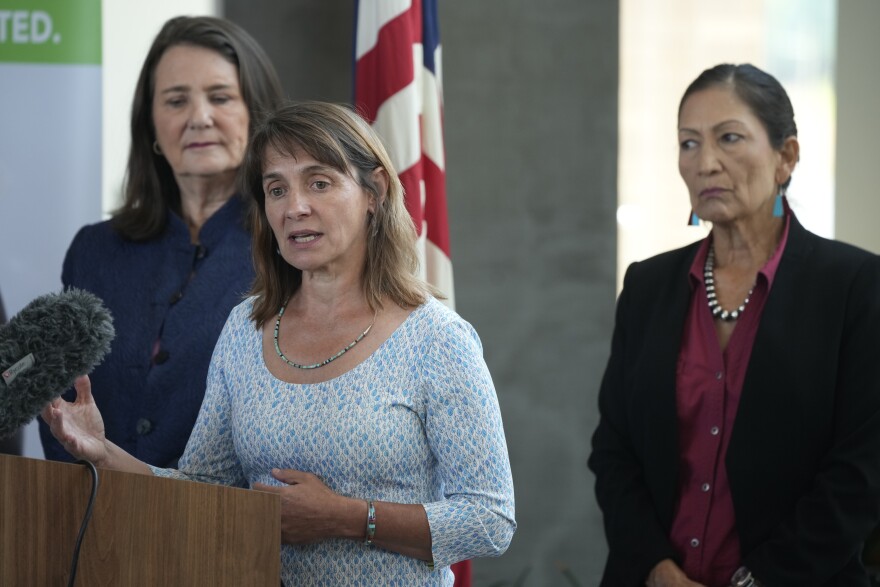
(175, 258)
(739, 438)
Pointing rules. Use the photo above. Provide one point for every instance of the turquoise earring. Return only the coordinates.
(694, 219)
(778, 207)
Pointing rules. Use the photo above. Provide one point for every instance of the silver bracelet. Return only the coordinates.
(743, 578)
(371, 523)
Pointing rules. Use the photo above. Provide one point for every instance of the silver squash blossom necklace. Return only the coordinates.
(714, 306)
(325, 361)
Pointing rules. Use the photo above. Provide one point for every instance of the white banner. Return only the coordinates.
(50, 139)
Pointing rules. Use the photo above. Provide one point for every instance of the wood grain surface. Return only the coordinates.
(144, 531)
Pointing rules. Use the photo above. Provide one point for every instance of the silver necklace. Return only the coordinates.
(325, 361)
(714, 306)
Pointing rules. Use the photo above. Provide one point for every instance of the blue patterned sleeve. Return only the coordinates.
(210, 455)
(464, 429)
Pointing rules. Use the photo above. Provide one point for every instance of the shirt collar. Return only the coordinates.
(216, 227)
(767, 272)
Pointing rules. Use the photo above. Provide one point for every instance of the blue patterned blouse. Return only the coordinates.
(417, 422)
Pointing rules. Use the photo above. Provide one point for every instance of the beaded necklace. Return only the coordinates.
(325, 361)
(712, 299)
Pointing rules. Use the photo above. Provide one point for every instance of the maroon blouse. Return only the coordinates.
(708, 387)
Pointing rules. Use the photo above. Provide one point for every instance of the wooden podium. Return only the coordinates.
(145, 531)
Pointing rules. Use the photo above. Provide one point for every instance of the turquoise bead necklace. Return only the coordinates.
(325, 361)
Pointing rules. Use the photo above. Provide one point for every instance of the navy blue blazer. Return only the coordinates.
(166, 288)
(804, 455)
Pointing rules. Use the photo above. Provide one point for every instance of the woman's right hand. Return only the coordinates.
(78, 425)
(668, 574)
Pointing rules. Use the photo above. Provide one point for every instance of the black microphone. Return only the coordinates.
(45, 347)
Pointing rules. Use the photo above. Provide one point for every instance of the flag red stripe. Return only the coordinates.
(411, 180)
(435, 205)
(388, 67)
(462, 572)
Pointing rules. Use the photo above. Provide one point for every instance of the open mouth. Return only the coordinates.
(303, 238)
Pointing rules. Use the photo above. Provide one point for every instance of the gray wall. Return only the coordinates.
(531, 135)
(857, 207)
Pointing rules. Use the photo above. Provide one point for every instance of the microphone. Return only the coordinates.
(45, 347)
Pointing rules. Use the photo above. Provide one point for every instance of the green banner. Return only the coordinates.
(50, 31)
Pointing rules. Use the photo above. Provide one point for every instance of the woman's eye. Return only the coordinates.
(220, 99)
(276, 192)
(687, 144)
(176, 102)
(321, 184)
(730, 137)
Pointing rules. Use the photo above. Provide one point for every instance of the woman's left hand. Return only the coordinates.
(310, 511)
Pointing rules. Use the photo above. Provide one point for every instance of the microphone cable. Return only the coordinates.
(85, 522)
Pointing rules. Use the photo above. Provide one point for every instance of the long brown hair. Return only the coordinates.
(335, 136)
(150, 188)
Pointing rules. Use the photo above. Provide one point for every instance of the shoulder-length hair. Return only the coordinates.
(150, 189)
(335, 136)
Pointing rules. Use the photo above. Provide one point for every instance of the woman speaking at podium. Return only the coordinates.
(341, 384)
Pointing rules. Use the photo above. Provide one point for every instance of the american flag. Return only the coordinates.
(398, 89)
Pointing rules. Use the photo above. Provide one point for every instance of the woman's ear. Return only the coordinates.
(789, 155)
(381, 181)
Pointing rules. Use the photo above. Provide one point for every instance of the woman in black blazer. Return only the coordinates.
(739, 438)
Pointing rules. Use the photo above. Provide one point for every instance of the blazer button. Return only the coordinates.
(161, 357)
(144, 427)
(176, 297)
